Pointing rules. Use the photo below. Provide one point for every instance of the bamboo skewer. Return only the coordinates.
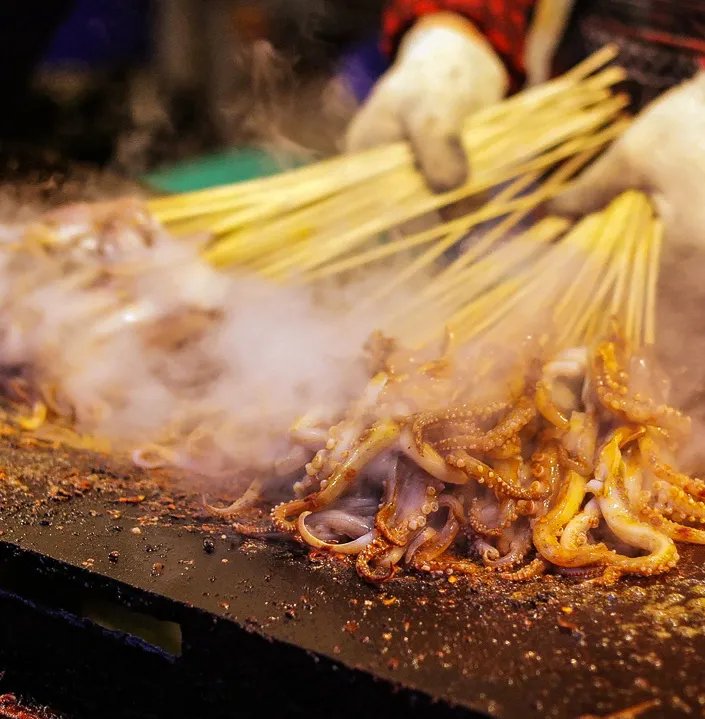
(387, 218)
(461, 225)
(654, 261)
(613, 228)
(451, 275)
(197, 203)
(617, 252)
(521, 206)
(334, 217)
(316, 221)
(454, 280)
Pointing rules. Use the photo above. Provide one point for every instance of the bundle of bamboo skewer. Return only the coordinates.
(327, 218)
(602, 269)
(343, 215)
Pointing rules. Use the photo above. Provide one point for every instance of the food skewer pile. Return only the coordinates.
(538, 439)
(528, 446)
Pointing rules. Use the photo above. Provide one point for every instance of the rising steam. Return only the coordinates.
(128, 332)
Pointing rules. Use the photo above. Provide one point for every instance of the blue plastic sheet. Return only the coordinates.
(102, 33)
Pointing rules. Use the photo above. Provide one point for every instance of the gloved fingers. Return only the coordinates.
(377, 123)
(601, 182)
(439, 151)
(442, 161)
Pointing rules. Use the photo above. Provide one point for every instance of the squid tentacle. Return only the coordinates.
(485, 474)
(381, 436)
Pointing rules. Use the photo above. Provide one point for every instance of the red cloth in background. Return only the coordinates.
(503, 22)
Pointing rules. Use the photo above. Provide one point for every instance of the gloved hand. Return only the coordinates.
(662, 153)
(444, 71)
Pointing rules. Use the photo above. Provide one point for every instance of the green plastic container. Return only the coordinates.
(219, 169)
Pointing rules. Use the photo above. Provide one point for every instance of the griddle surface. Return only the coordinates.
(551, 648)
(296, 631)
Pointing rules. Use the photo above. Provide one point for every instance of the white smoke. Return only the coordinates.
(148, 345)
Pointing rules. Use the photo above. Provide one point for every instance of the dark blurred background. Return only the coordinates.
(134, 84)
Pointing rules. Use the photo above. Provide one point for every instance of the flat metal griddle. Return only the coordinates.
(225, 627)
(303, 634)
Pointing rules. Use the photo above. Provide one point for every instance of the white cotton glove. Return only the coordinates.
(444, 71)
(662, 153)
